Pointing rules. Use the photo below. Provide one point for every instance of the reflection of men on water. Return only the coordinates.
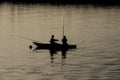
(54, 48)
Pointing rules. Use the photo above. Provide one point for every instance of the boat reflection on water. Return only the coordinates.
(63, 57)
(53, 49)
(63, 53)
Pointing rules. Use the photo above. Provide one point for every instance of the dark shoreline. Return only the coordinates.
(64, 2)
(107, 2)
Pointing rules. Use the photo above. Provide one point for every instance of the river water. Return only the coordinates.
(94, 29)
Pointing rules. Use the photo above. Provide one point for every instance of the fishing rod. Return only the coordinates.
(63, 26)
(26, 38)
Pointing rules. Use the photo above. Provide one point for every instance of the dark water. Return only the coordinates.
(95, 30)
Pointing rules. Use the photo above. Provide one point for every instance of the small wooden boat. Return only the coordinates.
(56, 46)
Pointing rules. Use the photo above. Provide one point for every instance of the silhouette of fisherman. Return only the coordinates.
(52, 46)
(64, 40)
(52, 40)
(64, 46)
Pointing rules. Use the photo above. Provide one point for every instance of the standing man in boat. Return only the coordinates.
(52, 40)
(52, 46)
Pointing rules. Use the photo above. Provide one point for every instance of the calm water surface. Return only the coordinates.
(95, 30)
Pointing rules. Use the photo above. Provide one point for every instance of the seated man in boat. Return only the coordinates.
(52, 40)
(64, 40)
(64, 43)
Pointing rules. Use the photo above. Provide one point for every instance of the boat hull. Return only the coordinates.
(56, 46)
